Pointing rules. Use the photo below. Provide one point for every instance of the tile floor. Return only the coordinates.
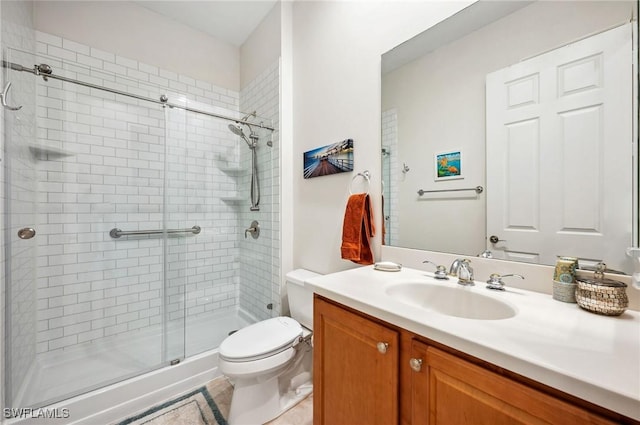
(300, 414)
(221, 391)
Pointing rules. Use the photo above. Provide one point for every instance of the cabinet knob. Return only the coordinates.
(416, 364)
(382, 347)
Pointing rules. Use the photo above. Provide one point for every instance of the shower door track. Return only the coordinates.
(45, 71)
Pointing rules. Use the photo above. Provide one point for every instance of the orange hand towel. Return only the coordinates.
(357, 228)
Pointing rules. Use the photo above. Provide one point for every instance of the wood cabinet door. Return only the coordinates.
(355, 378)
(419, 396)
(462, 393)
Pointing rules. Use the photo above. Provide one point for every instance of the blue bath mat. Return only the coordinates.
(197, 407)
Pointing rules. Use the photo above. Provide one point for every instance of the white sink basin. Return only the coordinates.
(458, 301)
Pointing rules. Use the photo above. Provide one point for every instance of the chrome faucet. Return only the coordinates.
(453, 270)
(462, 269)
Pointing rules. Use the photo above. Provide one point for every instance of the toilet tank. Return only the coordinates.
(300, 298)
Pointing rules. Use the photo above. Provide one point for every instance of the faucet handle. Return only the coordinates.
(254, 230)
(486, 254)
(495, 280)
(441, 271)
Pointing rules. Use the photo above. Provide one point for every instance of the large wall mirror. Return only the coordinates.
(509, 131)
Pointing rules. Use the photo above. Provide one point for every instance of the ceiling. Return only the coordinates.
(231, 21)
(457, 26)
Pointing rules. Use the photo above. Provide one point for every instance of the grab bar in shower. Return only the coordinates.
(116, 233)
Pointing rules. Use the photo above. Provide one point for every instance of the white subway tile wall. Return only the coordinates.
(260, 258)
(390, 141)
(101, 160)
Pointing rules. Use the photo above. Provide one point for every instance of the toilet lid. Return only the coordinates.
(261, 339)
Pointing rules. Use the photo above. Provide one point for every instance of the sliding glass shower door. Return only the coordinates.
(95, 234)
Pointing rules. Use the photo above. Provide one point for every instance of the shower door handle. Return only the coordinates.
(26, 233)
(3, 99)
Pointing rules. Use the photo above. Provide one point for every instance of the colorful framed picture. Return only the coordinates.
(448, 165)
(329, 159)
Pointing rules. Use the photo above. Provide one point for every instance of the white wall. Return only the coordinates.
(131, 31)
(262, 48)
(336, 82)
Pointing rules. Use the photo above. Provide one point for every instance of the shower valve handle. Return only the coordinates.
(254, 230)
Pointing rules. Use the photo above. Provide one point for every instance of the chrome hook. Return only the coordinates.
(3, 98)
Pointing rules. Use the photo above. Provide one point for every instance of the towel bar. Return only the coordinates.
(366, 175)
(477, 189)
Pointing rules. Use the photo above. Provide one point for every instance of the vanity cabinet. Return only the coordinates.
(459, 392)
(357, 361)
(412, 380)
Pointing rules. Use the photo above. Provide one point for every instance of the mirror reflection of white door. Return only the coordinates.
(562, 121)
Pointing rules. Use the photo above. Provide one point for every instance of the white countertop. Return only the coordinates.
(593, 357)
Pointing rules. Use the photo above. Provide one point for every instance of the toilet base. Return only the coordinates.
(255, 404)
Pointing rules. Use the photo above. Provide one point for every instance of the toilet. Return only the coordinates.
(270, 362)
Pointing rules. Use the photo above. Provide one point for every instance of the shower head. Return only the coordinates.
(236, 129)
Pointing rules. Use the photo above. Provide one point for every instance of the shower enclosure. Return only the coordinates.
(125, 213)
(392, 174)
(386, 195)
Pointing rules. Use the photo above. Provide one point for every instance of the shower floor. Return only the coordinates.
(71, 372)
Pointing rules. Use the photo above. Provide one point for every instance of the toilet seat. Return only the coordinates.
(261, 340)
(261, 367)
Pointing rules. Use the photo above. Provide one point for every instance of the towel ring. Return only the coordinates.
(366, 175)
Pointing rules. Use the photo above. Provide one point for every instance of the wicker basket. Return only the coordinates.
(602, 296)
(565, 292)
